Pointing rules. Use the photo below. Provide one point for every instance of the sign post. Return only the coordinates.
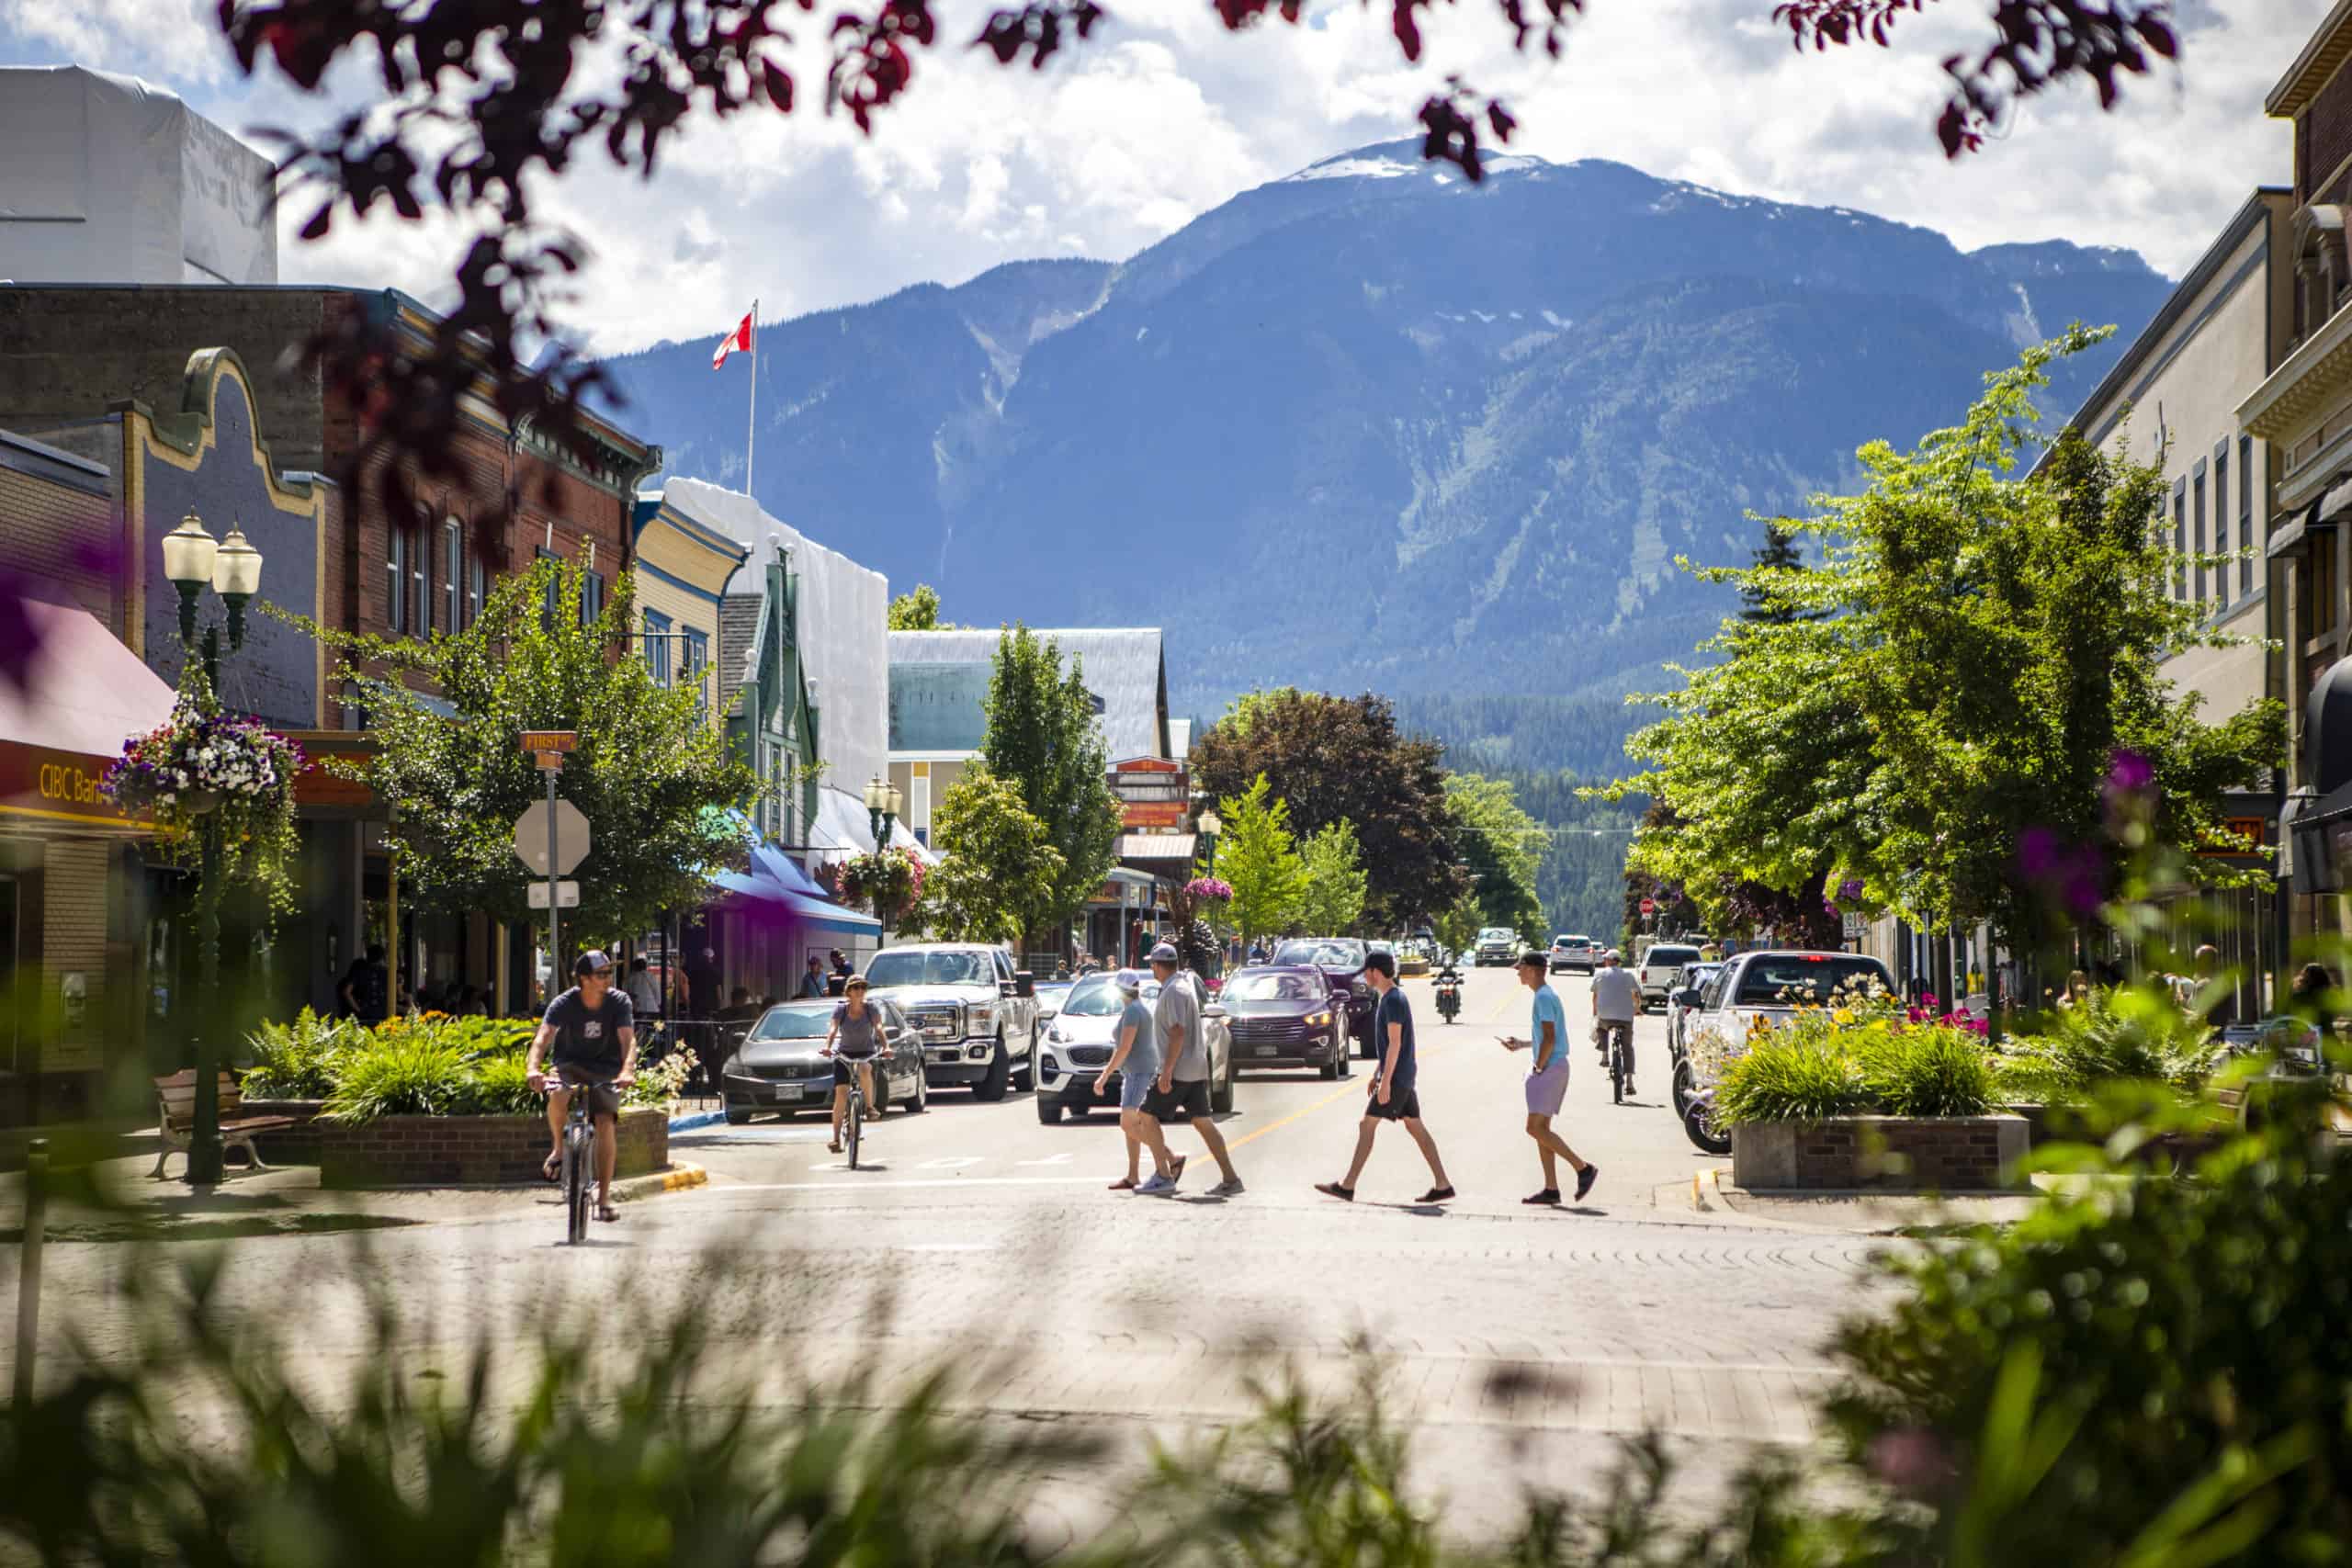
(550, 746)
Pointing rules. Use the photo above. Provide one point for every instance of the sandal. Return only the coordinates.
(835, 1145)
(1124, 1184)
(608, 1213)
(550, 1171)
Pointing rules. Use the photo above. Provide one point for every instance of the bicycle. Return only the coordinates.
(853, 1109)
(1620, 1049)
(579, 1157)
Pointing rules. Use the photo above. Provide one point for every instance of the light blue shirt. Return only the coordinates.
(1548, 1009)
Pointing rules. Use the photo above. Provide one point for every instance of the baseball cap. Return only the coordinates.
(1165, 952)
(1128, 980)
(588, 963)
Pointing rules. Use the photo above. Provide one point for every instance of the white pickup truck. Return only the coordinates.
(1755, 989)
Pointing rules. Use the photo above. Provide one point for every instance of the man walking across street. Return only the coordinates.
(1135, 1058)
(1184, 1088)
(1394, 1098)
(1616, 1000)
(1547, 1082)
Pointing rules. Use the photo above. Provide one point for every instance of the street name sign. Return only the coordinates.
(549, 739)
(531, 839)
(567, 895)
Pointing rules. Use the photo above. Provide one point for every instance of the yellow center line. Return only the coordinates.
(1341, 1092)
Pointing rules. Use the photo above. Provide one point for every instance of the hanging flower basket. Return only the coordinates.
(1209, 890)
(232, 768)
(887, 882)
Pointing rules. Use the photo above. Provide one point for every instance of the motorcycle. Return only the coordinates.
(1699, 1122)
(1449, 993)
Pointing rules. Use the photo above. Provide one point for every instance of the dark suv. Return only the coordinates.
(1341, 959)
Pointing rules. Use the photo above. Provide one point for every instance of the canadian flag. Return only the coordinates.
(739, 339)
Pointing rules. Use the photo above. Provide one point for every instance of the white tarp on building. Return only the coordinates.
(109, 179)
(844, 827)
(844, 631)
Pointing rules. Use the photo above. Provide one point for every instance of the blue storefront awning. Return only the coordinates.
(816, 909)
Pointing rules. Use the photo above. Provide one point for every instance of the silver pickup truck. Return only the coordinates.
(1756, 990)
(976, 1016)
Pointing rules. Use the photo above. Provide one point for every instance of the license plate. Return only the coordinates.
(789, 1091)
(1269, 1051)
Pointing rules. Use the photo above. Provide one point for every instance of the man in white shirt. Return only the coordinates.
(644, 992)
(1616, 1001)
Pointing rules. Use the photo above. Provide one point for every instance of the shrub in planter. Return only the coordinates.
(498, 1087)
(1927, 1069)
(1842, 1061)
(408, 1072)
(2131, 1033)
(296, 1060)
(1790, 1075)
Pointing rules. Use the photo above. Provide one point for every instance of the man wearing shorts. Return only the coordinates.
(1135, 1058)
(1393, 1096)
(594, 1040)
(1547, 1083)
(1616, 997)
(1184, 1088)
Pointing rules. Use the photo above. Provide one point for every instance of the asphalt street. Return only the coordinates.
(1516, 1340)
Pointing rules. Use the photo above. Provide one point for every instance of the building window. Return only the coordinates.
(477, 582)
(552, 594)
(396, 579)
(2245, 513)
(453, 573)
(420, 581)
(657, 647)
(2197, 529)
(2221, 519)
(2180, 539)
(697, 663)
(592, 598)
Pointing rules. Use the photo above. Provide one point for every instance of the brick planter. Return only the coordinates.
(298, 1144)
(469, 1151)
(1939, 1154)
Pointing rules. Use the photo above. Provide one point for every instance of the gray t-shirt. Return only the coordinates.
(1615, 995)
(1179, 1007)
(1143, 1057)
(860, 1035)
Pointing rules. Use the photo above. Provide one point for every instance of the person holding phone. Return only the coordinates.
(1547, 1082)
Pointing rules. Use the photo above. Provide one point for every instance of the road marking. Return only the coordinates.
(1049, 1159)
(906, 1181)
(950, 1162)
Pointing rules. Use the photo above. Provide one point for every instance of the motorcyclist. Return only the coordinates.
(1449, 989)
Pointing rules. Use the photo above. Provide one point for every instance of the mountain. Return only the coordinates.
(1373, 425)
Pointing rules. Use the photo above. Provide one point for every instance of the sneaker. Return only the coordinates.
(1550, 1195)
(1155, 1186)
(1584, 1179)
(1333, 1190)
(1436, 1195)
(1229, 1189)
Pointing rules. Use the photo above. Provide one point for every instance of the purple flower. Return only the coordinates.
(2129, 773)
(1850, 889)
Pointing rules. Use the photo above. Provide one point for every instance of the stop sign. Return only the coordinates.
(1649, 906)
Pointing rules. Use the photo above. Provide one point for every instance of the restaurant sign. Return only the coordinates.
(1153, 792)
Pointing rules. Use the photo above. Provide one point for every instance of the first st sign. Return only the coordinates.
(550, 739)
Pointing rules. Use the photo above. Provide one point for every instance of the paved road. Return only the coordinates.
(996, 1242)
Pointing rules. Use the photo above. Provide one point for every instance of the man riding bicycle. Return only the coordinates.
(591, 1030)
(1616, 997)
(854, 1043)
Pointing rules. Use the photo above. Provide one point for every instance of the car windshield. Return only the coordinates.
(1263, 985)
(795, 1021)
(1672, 955)
(1097, 995)
(1337, 952)
(1495, 933)
(929, 969)
(1805, 979)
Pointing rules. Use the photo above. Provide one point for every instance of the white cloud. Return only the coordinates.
(1164, 115)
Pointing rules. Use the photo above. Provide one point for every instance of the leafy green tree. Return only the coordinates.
(1503, 845)
(1342, 759)
(997, 881)
(917, 610)
(1257, 854)
(650, 774)
(1333, 898)
(1044, 740)
(1974, 728)
(1457, 924)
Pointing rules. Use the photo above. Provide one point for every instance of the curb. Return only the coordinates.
(679, 1176)
(688, 1122)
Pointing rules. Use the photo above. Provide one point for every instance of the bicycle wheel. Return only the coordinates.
(856, 1126)
(1617, 1071)
(576, 1183)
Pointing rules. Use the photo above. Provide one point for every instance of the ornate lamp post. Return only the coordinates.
(192, 559)
(883, 801)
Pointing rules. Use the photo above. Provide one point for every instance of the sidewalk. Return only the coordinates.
(117, 1200)
(1855, 1214)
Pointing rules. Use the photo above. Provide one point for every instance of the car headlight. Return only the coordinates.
(1318, 1018)
(1053, 1033)
(1360, 987)
(979, 1018)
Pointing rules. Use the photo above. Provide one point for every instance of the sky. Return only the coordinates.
(1164, 115)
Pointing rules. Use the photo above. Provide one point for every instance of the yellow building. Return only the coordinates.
(683, 569)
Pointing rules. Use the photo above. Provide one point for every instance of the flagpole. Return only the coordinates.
(751, 424)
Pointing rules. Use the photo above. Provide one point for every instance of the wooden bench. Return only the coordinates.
(175, 1100)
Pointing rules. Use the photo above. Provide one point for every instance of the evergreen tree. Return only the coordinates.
(1764, 589)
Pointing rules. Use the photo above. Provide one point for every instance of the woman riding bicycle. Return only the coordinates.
(853, 1042)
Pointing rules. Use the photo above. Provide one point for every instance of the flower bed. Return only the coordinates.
(469, 1151)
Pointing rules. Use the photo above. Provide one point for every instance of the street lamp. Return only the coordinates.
(882, 803)
(1211, 825)
(231, 567)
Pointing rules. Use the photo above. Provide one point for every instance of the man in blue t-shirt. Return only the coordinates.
(1547, 1083)
(1394, 1094)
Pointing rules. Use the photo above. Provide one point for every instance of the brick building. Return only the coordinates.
(83, 368)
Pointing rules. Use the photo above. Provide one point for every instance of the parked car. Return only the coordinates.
(778, 1067)
(1049, 998)
(1287, 1017)
(1758, 990)
(1661, 968)
(977, 1018)
(1342, 960)
(1579, 953)
(1496, 944)
(1079, 1043)
(1680, 1007)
